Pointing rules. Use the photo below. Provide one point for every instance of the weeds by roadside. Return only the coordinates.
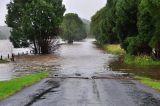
(155, 84)
(129, 59)
(140, 60)
(113, 48)
(10, 87)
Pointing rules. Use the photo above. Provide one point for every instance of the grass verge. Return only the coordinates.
(128, 59)
(135, 60)
(8, 88)
(155, 84)
(113, 48)
(140, 60)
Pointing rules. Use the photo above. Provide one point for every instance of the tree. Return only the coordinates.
(108, 26)
(140, 44)
(126, 21)
(103, 24)
(35, 22)
(96, 25)
(73, 29)
(154, 6)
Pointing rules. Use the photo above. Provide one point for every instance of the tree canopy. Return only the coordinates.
(103, 24)
(135, 23)
(73, 29)
(35, 22)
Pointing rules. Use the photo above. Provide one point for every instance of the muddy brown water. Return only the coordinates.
(152, 71)
(79, 59)
(80, 75)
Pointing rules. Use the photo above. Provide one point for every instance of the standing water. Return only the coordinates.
(7, 70)
(81, 58)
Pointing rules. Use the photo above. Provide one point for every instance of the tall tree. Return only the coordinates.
(96, 25)
(103, 23)
(35, 22)
(126, 21)
(108, 26)
(154, 6)
(73, 28)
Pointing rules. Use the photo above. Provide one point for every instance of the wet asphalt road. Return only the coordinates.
(84, 78)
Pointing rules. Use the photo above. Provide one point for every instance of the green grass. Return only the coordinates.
(8, 88)
(113, 48)
(140, 60)
(128, 59)
(155, 84)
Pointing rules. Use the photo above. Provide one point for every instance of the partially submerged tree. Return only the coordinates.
(73, 29)
(35, 22)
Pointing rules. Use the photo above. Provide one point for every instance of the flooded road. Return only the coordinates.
(152, 71)
(9, 70)
(80, 76)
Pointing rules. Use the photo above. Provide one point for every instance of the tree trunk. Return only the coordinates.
(35, 47)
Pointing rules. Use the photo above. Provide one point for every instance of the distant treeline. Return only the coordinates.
(135, 24)
(4, 32)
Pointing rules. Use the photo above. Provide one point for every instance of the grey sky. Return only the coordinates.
(3, 11)
(84, 8)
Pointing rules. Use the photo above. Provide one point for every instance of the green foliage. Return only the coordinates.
(140, 60)
(126, 22)
(113, 48)
(103, 24)
(154, 6)
(35, 21)
(73, 28)
(155, 84)
(10, 87)
(96, 23)
(135, 22)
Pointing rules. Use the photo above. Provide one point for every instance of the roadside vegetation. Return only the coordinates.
(10, 87)
(35, 22)
(134, 24)
(113, 48)
(130, 59)
(140, 60)
(155, 84)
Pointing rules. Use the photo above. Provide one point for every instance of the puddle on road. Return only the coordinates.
(148, 71)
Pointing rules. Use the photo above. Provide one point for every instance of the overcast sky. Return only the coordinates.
(84, 8)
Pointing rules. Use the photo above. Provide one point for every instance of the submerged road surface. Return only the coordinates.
(83, 78)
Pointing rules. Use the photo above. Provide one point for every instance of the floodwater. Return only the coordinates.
(81, 58)
(152, 71)
(8, 70)
(80, 75)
